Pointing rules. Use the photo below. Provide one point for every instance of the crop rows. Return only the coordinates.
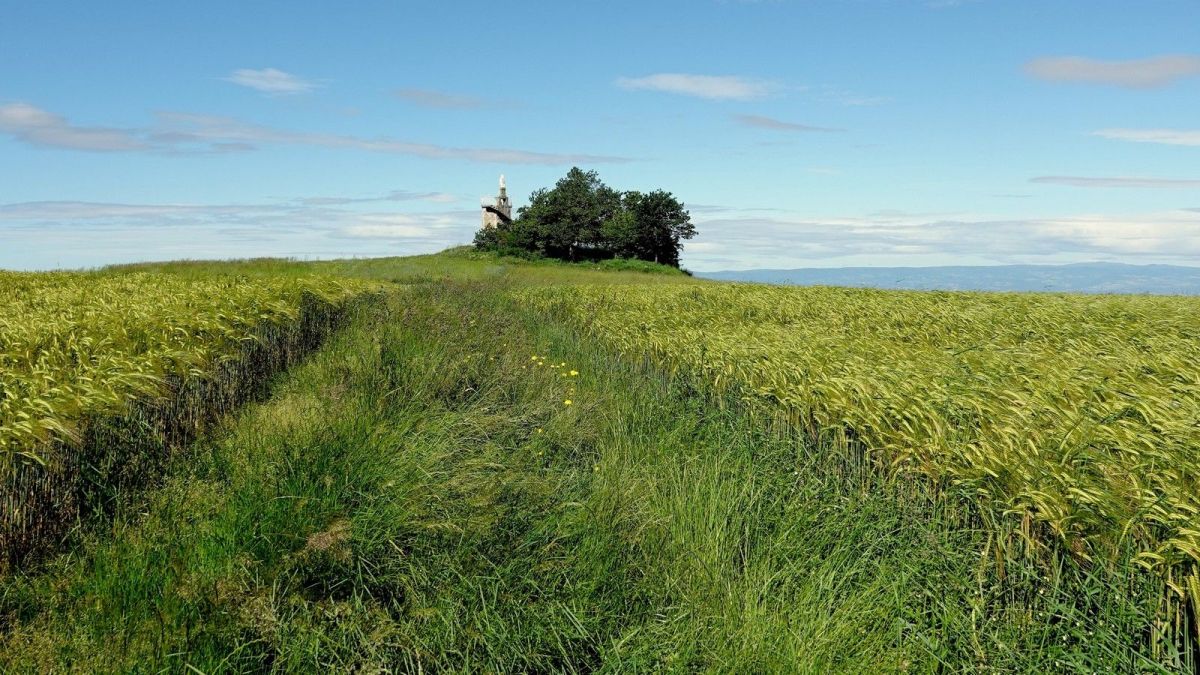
(79, 351)
(1073, 419)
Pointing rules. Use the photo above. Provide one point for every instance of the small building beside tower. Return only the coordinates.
(499, 212)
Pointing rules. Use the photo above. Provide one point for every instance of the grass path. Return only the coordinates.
(420, 496)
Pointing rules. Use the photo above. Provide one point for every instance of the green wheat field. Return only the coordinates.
(468, 463)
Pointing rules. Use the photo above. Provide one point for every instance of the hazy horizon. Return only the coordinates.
(705, 273)
(990, 265)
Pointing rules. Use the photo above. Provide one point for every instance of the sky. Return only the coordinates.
(799, 133)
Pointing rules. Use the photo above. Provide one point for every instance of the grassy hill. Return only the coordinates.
(496, 465)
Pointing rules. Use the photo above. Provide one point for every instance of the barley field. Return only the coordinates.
(78, 350)
(1068, 420)
(468, 463)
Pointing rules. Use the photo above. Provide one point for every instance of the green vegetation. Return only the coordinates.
(96, 367)
(1071, 422)
(581, 218)
(473, 476)
(77, 345)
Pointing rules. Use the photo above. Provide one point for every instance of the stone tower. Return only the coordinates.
(501, 211)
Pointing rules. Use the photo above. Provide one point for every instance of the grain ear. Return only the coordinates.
(1068, 421)
(94, 366)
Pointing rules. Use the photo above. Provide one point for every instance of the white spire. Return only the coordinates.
(498, 210)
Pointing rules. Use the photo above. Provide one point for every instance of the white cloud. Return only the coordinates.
(1163, 136)
(1169, 234)
(270, 81)
(386, 231)
(745, 239)
(68, 233)
(35, 126)
(763, 122)
(50, 211)
(1147, 73)
(393, 196)
(1118, 182)
(716, 87)
(65, 233)
(187, 133)
(186, 128)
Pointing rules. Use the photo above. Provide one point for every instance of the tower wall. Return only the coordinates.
(501, 211)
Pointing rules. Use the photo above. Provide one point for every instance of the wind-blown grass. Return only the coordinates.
(100, 374)
(1069, 421)
(419, 496)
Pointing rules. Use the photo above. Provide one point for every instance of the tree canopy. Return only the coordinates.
(581, 218)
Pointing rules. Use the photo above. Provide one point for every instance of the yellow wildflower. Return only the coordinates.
(567, 402)
(574, 373)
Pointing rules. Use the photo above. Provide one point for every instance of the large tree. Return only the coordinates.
(566, 221)
(582, 218)
(660, 223)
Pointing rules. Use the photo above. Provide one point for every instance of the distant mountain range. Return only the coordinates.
(1077, 278)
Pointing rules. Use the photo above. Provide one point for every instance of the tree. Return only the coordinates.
(566, 221)
(660, 223)
(620, 232)
(582, 218)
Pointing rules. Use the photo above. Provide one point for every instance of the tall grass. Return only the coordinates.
(103, 375)
(419, 496)
(1067, 424)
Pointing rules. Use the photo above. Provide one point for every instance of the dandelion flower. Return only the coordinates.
(574, 373)
(567, 402)
(533, 358)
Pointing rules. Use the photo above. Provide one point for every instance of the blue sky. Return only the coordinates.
(800, 133)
